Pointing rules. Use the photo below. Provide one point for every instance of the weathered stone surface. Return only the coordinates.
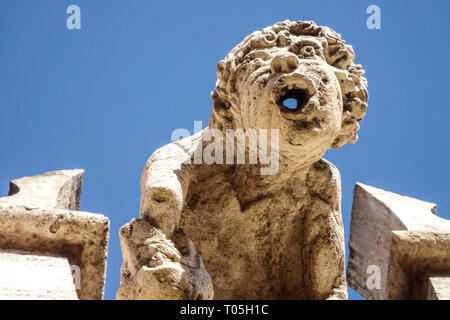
(259, 235)
(415, 255)
(439, 287)
(55, 189)
(159, 269)
(39, 221)
(25, 275)
(401, 236)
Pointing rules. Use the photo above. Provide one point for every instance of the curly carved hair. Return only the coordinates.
(251, 54)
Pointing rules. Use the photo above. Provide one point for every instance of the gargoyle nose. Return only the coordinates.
(284, 63)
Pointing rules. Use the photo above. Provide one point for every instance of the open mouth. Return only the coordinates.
(292, 94)
(293, 100)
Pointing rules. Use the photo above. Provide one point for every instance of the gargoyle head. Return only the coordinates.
(300, 62)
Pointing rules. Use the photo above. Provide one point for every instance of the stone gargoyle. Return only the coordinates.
(225, 230)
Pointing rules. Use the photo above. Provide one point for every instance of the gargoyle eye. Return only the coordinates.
(294, 100)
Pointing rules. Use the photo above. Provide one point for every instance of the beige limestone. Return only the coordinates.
(39, 216)
(231, 228)
(400, 235)
(439, 287)
(25, 275)
(55, 189)
(158, 264)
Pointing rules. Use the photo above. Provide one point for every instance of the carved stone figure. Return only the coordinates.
(226, 230)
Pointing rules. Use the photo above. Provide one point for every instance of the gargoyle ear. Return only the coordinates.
(346, 83)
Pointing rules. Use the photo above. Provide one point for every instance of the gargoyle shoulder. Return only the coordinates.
(324, 182)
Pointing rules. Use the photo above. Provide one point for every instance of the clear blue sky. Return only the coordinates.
(105, 97)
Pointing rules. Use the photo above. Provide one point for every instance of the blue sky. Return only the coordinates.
(105, 97)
